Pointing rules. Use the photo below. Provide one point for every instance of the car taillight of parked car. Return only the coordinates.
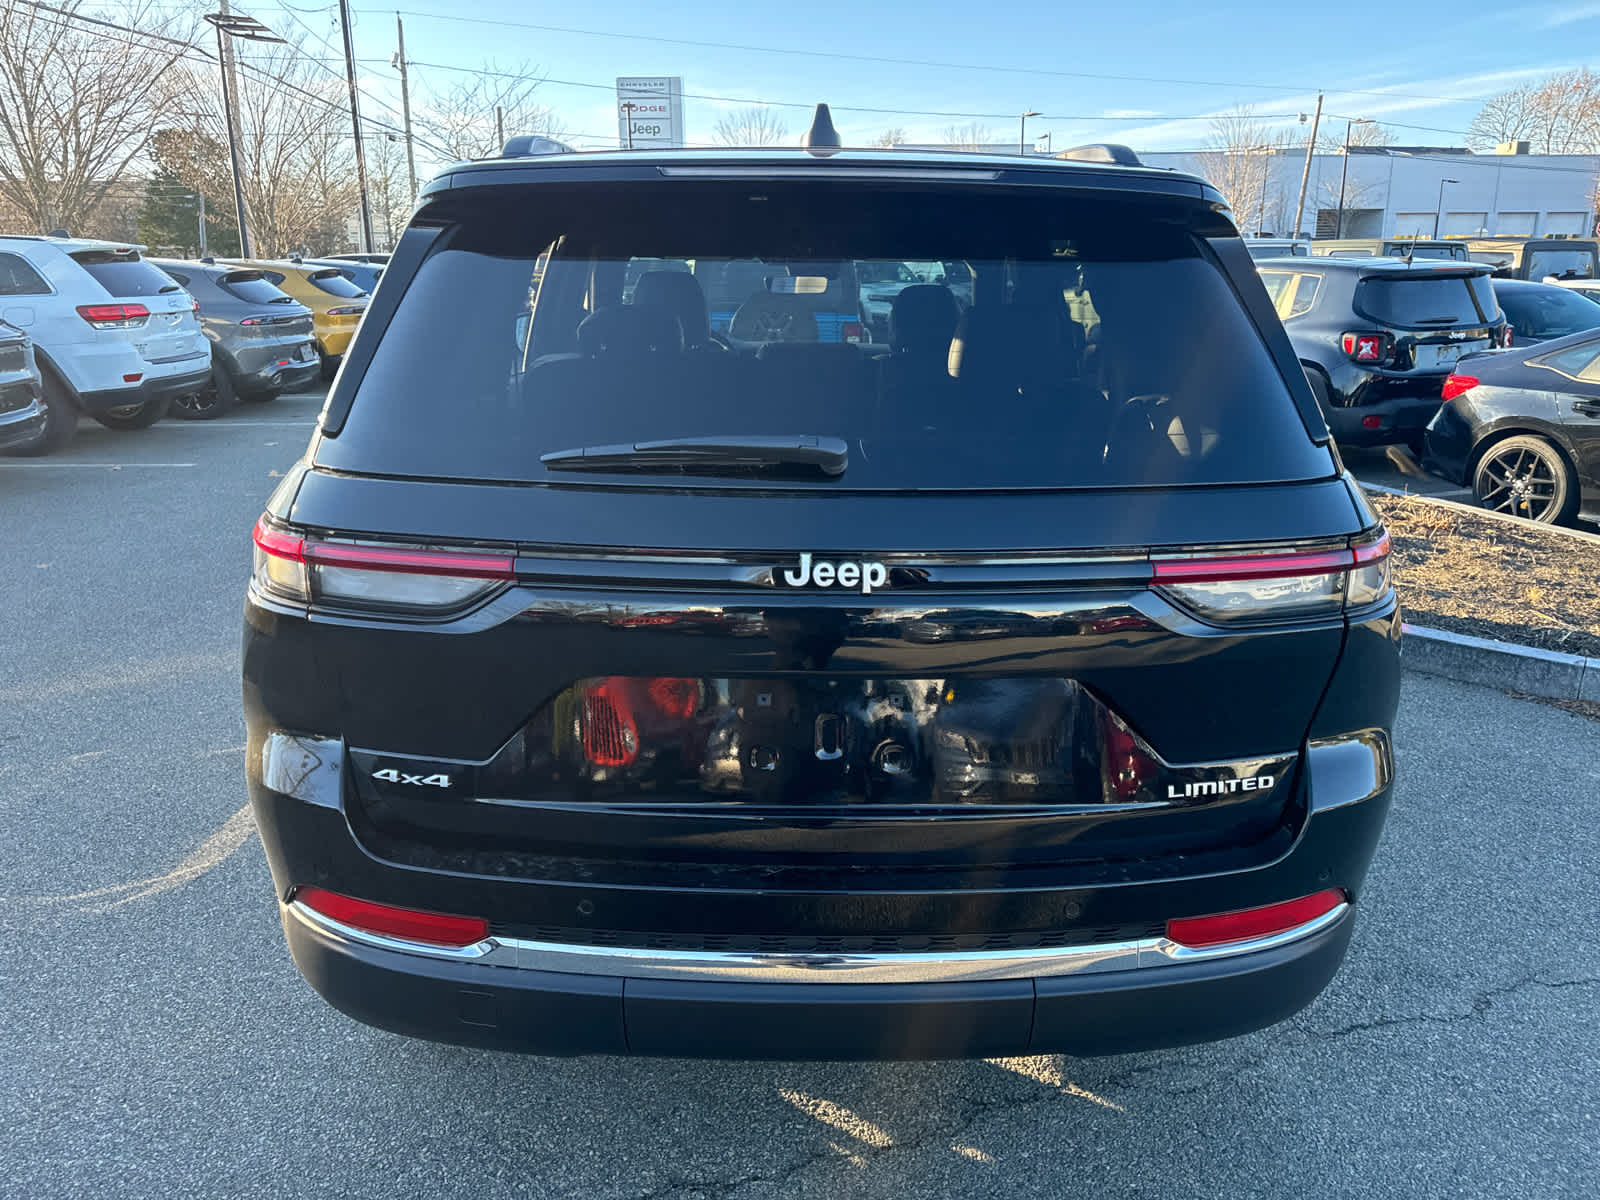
(1366, 347)
(1455, 385)
(347, 310)
(114, 316)
(1507, 336)
(1270, 587)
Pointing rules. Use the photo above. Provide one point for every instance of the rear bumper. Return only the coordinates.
(563, 998)
(21, 425)
(1396, 418)
(547, 1012)
(1447, 445)
(149, 389)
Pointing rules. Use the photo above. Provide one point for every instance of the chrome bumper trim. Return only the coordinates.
(518, 953)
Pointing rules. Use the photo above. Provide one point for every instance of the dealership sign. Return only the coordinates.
(649, 111)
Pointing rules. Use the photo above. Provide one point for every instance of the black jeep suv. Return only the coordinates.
(1020, 684)
(1378, 337)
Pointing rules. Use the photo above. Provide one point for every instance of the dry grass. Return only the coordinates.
(1516, 582)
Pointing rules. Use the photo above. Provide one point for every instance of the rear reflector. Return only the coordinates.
(1457, 385)
(306, 570)
(1249, 923)
(1372, 422)
(408, 924)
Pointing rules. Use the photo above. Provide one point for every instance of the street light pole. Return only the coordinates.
(234, 26)
(627, 119)
(1022, 134)
(355, 124)
(1344, 171)
(405, 109)
(1439, 208)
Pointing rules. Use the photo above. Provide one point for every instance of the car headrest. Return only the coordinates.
(679, 293)
(629, 330)
(922, 319)
(1017, 345)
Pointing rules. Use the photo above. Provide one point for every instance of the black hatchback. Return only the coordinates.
(1019, 684)
(1377, 337)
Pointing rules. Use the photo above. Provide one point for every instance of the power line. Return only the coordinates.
(913, 62)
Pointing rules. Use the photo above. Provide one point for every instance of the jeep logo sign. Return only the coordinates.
(864, 575)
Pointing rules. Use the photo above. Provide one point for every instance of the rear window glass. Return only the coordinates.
(1563, 264)
(1427, 300)
(335, 284)
(125, 275)
(1068, 344)
(252, 287)
(18, 278)
(1543, 313)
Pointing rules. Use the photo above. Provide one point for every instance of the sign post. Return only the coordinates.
(649, 111)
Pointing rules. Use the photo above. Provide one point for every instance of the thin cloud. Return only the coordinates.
(1555, 18)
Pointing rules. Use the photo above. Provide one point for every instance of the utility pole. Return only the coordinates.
(405, 109)
(201, 197)
(1305, 175)
(1344, 171)
(499, 128)
(355, 123)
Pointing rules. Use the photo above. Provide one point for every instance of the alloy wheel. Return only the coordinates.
(1520, 481)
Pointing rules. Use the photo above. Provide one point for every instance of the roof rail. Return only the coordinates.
(527, 145)
(1103, 152)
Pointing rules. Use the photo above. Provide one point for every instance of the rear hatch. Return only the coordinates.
(157, 315)
(1425, 317)
(802, 615)
(270, 317)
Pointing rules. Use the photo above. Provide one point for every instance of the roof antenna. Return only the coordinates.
(822, 139)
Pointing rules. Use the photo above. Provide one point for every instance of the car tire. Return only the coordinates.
(1526, 476)
(209, 403)
(60, 422)
(330, 367)
(134, 416)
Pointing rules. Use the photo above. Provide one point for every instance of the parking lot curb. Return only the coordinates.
(1581, 535)
(1500, 664)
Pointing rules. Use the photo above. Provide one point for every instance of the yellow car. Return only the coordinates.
(335, 302)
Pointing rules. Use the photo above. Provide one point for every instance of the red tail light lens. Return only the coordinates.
(408, 924)
(610, 729)
(1127, 766)
(852, 331)
(1507, 336)
(676, 698)
(347, 310)
(114, 316)
(1248, 923)
(307, 571)
(1455, 385)
(195, 307)
(1257, 587)
(1366, 347)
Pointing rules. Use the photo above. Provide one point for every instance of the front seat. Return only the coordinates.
(680, 294)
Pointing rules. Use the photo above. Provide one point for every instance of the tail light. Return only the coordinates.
(1507, 336)
(1248, 923)
(1366, 347)
(308, 571)
(1128, 768)
(347, 310)
(408, 924)
(1266, 587)
(255, 321)
(194, 307)
(852, 331)
(1456, 385)
(114, 316)
(676, 698)
(610, 730)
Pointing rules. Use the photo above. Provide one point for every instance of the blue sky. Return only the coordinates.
(1095, 72)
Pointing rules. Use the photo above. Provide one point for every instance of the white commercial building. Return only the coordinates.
(1394, 191)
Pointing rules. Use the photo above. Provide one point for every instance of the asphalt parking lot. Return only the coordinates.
(156, 1041)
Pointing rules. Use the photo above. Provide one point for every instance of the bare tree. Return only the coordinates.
(387, 186)
(1557, 115)
(971, 136)
(1370, 133)
(890, 137)
(460, 120)
(296, 156)
(1238, 161)
(78, 105)
(755, 125)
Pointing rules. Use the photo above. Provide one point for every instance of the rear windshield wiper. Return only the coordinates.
(829, 455)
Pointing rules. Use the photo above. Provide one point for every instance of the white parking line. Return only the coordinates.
(239, 424)
(56, 466)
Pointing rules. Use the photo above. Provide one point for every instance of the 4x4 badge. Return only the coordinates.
(865, 574)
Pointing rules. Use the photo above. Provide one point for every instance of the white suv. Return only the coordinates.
(115, 337)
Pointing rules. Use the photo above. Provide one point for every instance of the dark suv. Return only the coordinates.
(1021, 685)
(1378, 337)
